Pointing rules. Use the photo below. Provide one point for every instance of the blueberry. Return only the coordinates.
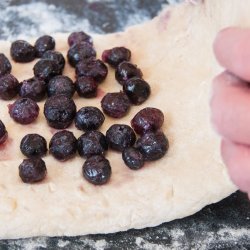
(89, 118)
(147, 120)
(92, 143)
(3, 133)
(59, 111)
(5, 66)
(22, 51)
(9, 87)
(63, 145)
(78, 37)
(55, 56)
(33, 88)
(43, 44)
(137, 90)
(61, 85)
(32, 170)
(24, 111)
(33, 145)
(93, 68)
(80, 52)
(96, 170)
(116, 55)
(46, 69)
(120, 136)
(125, 71)
(153, 146)
(86, 87)
(133, 158)
(115, 104)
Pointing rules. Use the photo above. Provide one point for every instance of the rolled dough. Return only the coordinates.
(175, 54)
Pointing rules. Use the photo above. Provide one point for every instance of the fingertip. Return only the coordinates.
(237, 159)
(232, 51)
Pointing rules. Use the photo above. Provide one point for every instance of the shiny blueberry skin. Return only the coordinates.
(33, 88)
(61, 85)
(43, 44)
(78, 37)
(153, 146)
(133, 158)
(116, 55)
(33, 145)
(24, 111)
(79, 52)
(59, 111)
(137, 90)
(5, 66)
(9, 87)
(86, 87)
(97, 170)
(22, 51)
(46, 69)
(92, 143)
(125, 71)
(120, 136)
(3, 133)
(63, 145)
(32, 170)
(115, 104)
(93, 68)
(147, 120)
(89, 118)
(55, 56)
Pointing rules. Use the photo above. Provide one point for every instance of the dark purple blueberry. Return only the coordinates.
(33, 145)
(5, 66)
(86, 87)
(116, 55)
(125, 71)
(133, 158)
(43, 44)
(120, 136)
(9, 87)
(63, 145)
(46, 69)
(137, 90)
(97, 170)
(78, 37)
(153, 146)
(3, 133)
(89, 118)
(33, 88)
(59, 111)
(22, 51)
(92, 143)
(79, 52)
(93, 68)
(61, 85)
(147, 120)
(55, 56)
(24, 111)
(115, 104)
(32, 170)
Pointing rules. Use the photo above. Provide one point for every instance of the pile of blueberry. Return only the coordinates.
(60, 110)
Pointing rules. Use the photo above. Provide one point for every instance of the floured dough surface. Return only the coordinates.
(174, 51)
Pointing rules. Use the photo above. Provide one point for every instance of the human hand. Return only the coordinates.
(230, 103)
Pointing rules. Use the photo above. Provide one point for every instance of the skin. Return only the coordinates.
(230, 103)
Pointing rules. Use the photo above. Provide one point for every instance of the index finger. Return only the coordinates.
(232, 50)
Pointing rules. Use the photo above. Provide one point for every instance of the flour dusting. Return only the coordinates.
(36, 18)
